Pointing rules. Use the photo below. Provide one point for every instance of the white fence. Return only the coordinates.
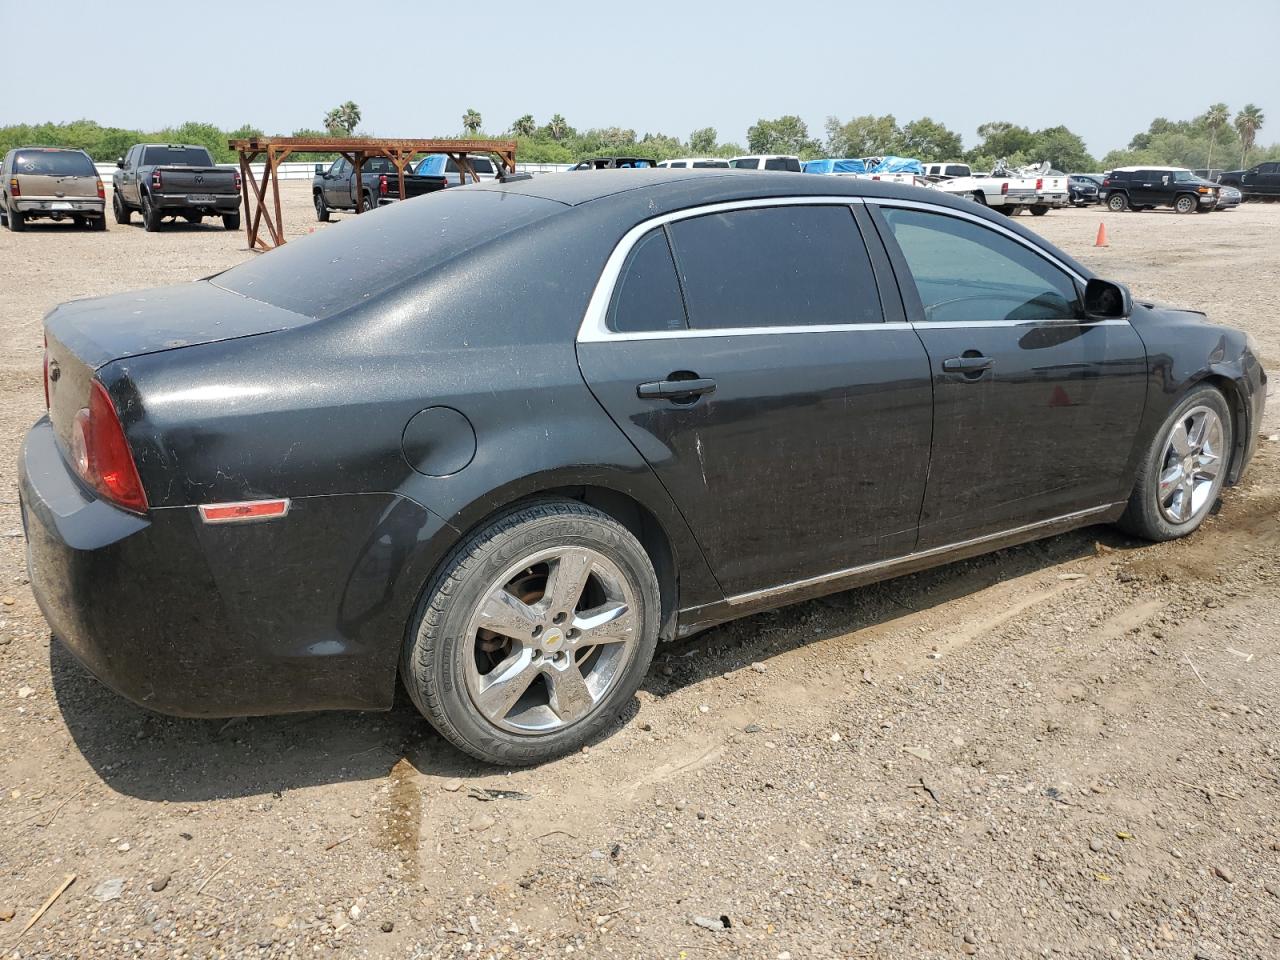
(305, 171)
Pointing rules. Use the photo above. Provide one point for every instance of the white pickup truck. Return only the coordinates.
(1050, 184)
(1007, 193)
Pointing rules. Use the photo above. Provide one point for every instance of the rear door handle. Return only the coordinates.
(675, 389)
(967, 364)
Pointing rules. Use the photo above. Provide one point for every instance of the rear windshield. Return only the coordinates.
(783, 163)
(341, 267)
(177, 156)
(709, 164)
(54, 163)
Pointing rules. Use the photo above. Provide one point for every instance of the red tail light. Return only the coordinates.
(47, 404)
(1004, 187)
(14, 189)
(100, 453)
(382, 185)
(156, 180)
(1040, 183)
(102, 191)
(238, 181)
(1106, 183)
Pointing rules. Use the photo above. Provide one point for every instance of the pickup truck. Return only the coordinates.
(1261, 182)
(174, 180)
(334, 187)
(1009, 194)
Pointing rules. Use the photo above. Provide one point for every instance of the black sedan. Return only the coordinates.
(499, 441)
(1083, 190)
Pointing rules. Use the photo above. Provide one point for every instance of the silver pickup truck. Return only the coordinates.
(174, 180)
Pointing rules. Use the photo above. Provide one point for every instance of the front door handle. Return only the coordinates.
(675, 389)
(967, 364)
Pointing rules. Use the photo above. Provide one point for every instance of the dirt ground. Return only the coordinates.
(1069, 749)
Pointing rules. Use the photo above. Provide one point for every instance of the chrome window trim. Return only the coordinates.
(594, 327)
(878, 565)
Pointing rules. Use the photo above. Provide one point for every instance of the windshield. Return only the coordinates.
(334, 270)
(177, 156)
(54, 163)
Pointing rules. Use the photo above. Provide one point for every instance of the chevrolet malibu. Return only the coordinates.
(499, 441)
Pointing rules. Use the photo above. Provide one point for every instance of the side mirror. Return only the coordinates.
(320, 169)
(1105, 300)
(120, 162)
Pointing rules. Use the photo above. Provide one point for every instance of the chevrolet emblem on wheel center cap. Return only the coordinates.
(551, 639)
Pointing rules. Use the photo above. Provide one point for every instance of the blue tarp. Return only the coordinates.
(431, 165)
(898, 165)
(835, 166)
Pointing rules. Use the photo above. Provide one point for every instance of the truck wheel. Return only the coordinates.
(1039, 210)
(98, 223)
(1117, 202)
(17, 221)
(150, 215)
(1185, 204)
(322, 208)
(1010, 210)
(118, 210)
(980, 197)
(231, 221)
(370, 204)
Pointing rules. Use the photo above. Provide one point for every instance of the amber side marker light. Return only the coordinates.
(243, 511)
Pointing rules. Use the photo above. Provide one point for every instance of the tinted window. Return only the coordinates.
(482, 165)
(783, 163)
(54, 163)
(967, 272)
(177, 156)
(647, 296)
(775, 266)
(677, 164)
(377, 165)
(956, 170)
(750, 164)
(333, 270)
(710, 164)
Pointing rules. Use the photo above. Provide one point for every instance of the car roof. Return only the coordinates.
(1133, 169)
(766, 156)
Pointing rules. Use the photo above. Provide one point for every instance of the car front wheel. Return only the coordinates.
(1185, 204)
(535, 633)
(1182, 475)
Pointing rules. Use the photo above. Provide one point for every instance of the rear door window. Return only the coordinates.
(749, 164)
(54, 163)
(647, 296)
(966, 273)
(790, 164)
(775, 267)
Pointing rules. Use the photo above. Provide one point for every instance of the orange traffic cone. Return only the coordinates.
(1102, 236)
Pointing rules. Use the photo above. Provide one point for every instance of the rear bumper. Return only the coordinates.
(40, 206)
(185, 618)
(1013, 198)
(1053, 199)
(216, 203)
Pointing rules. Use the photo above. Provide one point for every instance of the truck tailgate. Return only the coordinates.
(197, 180)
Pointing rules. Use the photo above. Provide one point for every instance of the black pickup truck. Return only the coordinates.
(1258, 183)
(174, 180)
(334, 186)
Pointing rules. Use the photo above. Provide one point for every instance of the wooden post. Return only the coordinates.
(246, 176)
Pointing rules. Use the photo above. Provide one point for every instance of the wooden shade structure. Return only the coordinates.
(273, 151)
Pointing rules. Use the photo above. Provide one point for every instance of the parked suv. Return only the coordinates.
(1142, 188)
(48, 182)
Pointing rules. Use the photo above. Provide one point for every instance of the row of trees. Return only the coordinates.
(1216, 136)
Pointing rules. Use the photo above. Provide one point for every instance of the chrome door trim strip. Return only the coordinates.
(594, 326)
(885, 565)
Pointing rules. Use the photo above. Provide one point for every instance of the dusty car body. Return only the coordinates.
(53, 183)
(417, 447)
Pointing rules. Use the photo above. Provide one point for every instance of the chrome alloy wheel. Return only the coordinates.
(1191, 471)
(549, 639)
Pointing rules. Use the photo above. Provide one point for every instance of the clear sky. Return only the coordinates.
(1103, 69)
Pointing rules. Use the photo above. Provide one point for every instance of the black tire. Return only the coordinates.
(1039, 210)
(370, 203)
(118, 210)
(1185, 203)
(231, 221)
(1143, 517)
(1117, 202)
(980, 197)
(151, 217)
(322, 208)
(437, 648)
(196, 218)
(1010, 210)
(98, 224)
(17, 221)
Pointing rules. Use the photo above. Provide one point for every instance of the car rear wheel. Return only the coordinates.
(98, 223)
(231, 221)
(1182, 475)
(1117, 202)
(1039, 210)
(118, 210)
(1185, 204)
(150, 215)
(17, 221)
(322, 208)
(1010, 210)
(534, 634)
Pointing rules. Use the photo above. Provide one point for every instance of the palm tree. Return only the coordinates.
(557, 126)
(1248, 122)
(471, 121)
(343, 119)
(524, 127)
(1215, 118)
